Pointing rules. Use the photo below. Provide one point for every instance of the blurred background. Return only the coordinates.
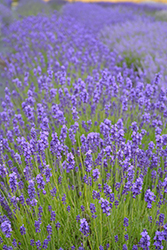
(15, 2)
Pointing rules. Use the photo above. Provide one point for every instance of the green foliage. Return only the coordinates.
(161, 15)
(32, 8)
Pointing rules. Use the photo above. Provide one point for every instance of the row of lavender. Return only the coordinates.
(143, 41)
(83, 157)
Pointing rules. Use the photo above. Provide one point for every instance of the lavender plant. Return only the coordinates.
(83, 156)
(6, 16)
(132, 41)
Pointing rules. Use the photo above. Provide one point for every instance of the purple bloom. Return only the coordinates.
(82, 208)
(107, 190)
(70, 163)
(38, 244)
(31, 189)
(88, 161)
(32, 242)
(149, 198)
(150, 219)
(49, 229)
(145, 240)
(96, 174)
(53, 191)
(63, 133)
(13, 182)
(105, 206)
(108, 175)
(37, 226)
(126, 222)
(137, 187)
(40, 212)
(116, 238)
(124, 247)
(161, 219)
(107, 245)
(58, 225)
(45, 244)
(49, 208)
(116, 203)
(48, 174)
(78, 218)
(14, 242)
(40, 181)
(99, 187)
(159, 237)
(64, 199)
(126, 236)
(22, 230)
(135, 247)
(5, 247)
(165, 185)
(93, 210)
(84, 227)
(6, 228)
(49, 238)
(53, 215)
(68, 208)
(165, 231)
(3, 173)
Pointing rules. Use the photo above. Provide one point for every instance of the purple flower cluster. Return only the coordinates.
(6, 228)
(149, 198)
(145, 240)
(93, 210)
(84, 227)
(105, 206)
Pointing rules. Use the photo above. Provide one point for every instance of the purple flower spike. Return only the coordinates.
(149, 198)
(145, 240)
(22, 230)
(105, 206)
(13, 182)
(96, 174)
(159, 237)
(6, 228)
(84, 227)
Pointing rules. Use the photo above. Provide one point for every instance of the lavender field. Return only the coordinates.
(83, 126)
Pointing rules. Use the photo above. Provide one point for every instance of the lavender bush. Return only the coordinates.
(83, 156)
(132, 41)
(6, 16)
(56, 4)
